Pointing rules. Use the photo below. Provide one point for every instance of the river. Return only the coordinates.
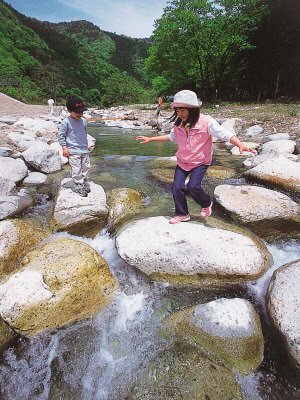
(102, 358)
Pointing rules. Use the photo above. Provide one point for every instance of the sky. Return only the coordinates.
(133, 18)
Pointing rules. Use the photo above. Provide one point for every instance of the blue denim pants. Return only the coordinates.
(193, 187)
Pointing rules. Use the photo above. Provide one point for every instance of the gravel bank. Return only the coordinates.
(13, 107)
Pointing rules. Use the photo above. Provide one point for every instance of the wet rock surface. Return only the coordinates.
(227, 331)
(60, 282)
(283, 304)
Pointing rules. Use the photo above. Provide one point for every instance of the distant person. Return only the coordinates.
(159, 107)
(193, 133)
(72, 137)
(51, 106)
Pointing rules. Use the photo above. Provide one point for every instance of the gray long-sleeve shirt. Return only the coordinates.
(72, 133)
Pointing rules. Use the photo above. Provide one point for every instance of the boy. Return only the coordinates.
(72, 136)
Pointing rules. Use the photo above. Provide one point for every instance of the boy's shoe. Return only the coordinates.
(87, 186)
(206, 212)
(179, 218)
(80, 189)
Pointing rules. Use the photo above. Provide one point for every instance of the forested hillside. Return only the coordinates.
(228, 49)
(233, 50)
(40, 60)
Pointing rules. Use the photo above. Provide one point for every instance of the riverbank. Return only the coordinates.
(271, 117)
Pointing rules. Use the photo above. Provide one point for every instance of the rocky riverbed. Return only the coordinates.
(49, 282)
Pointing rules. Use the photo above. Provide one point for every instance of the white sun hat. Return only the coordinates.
(186, 98)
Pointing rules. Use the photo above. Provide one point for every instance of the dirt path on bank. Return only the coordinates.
(13, 107)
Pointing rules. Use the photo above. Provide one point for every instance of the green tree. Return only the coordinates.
(197, 42)
(73, 92)
(120, 88)
(93, 96)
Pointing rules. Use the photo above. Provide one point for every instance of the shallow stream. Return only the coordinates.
(102, 358)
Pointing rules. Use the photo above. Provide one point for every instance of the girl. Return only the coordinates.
(193, 133)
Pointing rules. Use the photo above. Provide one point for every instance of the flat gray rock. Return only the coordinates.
(247, 203)
(164, 251)
(278, 171)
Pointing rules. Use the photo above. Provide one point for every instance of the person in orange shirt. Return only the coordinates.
(159, 106)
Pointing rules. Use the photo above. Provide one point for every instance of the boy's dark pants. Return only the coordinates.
(193, 187)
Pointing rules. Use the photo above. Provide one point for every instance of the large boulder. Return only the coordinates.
(57, 147)
(17, 238)
(43, 158)
(82, 216)
(123, 203)
(277, 136)
(283, 305)
(7, 187)
(253, 130)
(248, 204)
(17, 137)
(227, 331)
(14, 205)
(255, 160)
(35, 178)
(13, 169)
(182, 373)
(26, 122)
(60, 282)
(41, 125)
(191, 253)
(38, 126)
(26, 144)
(279, 171)
(279, 147)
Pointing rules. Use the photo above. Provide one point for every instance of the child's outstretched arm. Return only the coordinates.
(234, 140)
(146, 139)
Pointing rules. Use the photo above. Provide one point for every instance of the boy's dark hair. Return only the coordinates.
(194, 114)
(75, 104)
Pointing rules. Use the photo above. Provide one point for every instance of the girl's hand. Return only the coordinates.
(144, 139)
(242, 148)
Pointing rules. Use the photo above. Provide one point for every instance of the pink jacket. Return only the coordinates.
(195, 145)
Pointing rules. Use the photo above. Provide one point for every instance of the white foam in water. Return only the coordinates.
(102, 243)
(126, 340)
(282, 254)
(129, 307)
(21, 378)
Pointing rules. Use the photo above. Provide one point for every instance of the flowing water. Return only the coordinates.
(102, 358)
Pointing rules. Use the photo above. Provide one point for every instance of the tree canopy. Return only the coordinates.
(197, 43)
(237, 50)
(50, 60)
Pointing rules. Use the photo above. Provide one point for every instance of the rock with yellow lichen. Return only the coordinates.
(17, 238)
(59, 283)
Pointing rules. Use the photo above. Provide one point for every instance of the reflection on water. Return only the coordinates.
(101, 358)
